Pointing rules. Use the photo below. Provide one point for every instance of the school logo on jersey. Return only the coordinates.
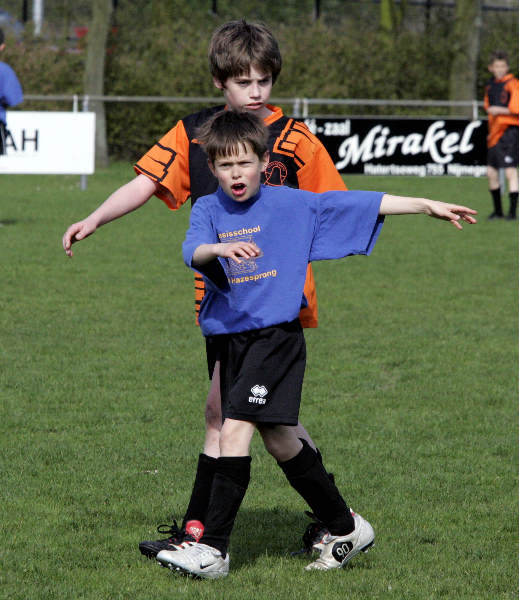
(259, 392)
(275, 173)
(246, 265)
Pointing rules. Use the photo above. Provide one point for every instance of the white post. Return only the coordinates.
(37, 16)
(83, 178)
(305, 108)
(475, 110)
(297, 108)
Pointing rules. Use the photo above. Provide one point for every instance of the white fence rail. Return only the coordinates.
(301, 107)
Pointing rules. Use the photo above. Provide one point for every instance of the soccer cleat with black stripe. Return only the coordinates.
(337, 550)
(192, 533)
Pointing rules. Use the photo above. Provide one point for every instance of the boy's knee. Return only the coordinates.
(280, 442)
(235, 437)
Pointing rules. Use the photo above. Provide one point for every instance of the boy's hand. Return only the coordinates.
(75, 233)
(451, 212)
(237, 250)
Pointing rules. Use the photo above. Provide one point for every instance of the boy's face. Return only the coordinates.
(250, 92)
(498, 68)
(239, 175)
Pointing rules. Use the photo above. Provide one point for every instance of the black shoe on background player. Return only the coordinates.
(313, 533)
(192, 533)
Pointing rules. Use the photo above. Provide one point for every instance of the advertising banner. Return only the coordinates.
(417, 147)
(49, 142)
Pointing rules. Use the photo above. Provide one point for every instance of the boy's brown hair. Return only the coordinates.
(223, 134)
(237, 46)
(498, 55)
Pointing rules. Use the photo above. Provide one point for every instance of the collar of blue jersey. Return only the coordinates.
(233, 205)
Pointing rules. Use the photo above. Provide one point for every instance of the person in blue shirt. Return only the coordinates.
(252, 244)
(10, 93)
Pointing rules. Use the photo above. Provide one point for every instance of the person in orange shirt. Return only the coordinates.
(502, 105)
(245, 62)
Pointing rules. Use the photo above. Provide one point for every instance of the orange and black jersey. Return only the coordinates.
(297, 159)
(502, 92)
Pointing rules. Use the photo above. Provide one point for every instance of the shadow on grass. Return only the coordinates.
(8, 222)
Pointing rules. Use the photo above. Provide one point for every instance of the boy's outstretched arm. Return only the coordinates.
(127, 198)
(207, 252)
(403, 205)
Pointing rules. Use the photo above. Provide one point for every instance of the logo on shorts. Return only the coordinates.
(509, 159)
(259, 393)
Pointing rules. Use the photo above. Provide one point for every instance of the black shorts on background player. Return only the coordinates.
(506, 152)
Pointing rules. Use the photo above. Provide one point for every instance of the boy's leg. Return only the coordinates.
(209, 558)
(229, 484)
(213, 415)
(307, 475)
(495, 192)
(200, 493)
(348, 533)
(512, 178)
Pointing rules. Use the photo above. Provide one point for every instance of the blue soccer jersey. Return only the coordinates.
(292, 228)
(10, 89)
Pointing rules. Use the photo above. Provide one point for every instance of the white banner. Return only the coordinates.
(49, 142)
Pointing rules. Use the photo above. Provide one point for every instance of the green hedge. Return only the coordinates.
(342, 57)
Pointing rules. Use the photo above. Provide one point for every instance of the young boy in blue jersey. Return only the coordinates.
(252, 244)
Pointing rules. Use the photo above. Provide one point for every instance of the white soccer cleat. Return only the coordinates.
(197, 560)
(337, 550)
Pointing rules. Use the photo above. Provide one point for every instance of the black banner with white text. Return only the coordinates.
(416, 147)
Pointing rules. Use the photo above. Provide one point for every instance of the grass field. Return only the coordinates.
(411, 393)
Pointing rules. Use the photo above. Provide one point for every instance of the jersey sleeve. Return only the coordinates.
(167, 163)
(317, 173)
(11, 94)
(513, 104)
(348, 223)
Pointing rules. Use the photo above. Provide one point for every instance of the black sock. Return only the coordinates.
(496, 199)
(513, 203)
(307, 475)
(320, 459)
(201, 492)
(230, 483)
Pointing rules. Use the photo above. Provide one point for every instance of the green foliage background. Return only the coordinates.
(159, 49)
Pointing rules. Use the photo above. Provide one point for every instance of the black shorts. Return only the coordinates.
(261, 373)
(506, 152)
(212, 350)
